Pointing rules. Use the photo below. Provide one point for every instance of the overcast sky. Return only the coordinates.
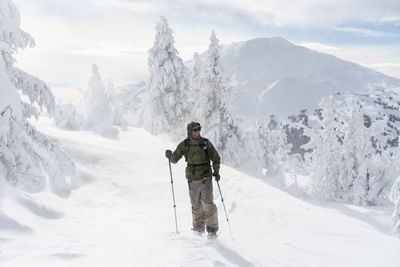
(70, 35)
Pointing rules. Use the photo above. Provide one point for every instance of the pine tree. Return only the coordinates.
(67, 116)
(117, 113)
(196, 77)
(95, 107)
(326, 157)
(395, 197)
(214, 107)
(273, 145)
(348, 159)
(166, 107)
(363, 149)
(27, 157)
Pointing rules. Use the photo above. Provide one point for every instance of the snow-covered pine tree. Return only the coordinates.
(395, 197)
(196, 77)
(348, 160)
(130, 99)
(66, 116)
(112, 97)
(273, 145)
(95, 107)
(167, 105)
(325, 159)
(214, 107)
(27, 158)
(363, 149)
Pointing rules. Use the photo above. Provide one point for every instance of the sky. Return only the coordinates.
(116, 35)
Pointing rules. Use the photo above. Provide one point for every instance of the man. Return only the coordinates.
(198, 152)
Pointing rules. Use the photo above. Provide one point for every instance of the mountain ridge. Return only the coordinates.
(296, 77)
(275, 76)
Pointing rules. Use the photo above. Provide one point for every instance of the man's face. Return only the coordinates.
(196, 134)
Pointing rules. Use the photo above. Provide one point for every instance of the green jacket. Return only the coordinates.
(197, 155)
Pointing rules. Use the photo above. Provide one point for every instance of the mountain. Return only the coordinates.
(120, 213)
(274, 76)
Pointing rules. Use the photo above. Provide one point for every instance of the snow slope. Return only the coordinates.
(120, 214)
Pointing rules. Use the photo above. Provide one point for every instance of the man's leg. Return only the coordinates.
(198, 214)
(210, 209)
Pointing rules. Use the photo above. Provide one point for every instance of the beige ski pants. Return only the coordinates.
(204, 211)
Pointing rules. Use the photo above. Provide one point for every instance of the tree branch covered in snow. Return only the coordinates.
(27, 158)
(36, 90)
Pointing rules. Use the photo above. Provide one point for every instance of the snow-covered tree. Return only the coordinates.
(95, 107)
(28, 159)
(130, 99)
(66, 116)
(167, 105)
(13, 38)
(117, 113)
(348, 159)
(214, 107)
(395, 197)
(326, 157)
(274, 148)
(196, 76)
(363, 149)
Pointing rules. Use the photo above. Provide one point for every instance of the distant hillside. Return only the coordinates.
(274, 76)
(278, 77)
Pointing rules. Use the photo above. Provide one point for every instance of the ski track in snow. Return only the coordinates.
(121, 214)
(272, 85)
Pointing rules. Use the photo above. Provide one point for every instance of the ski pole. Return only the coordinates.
(226, 214)
(173, 195)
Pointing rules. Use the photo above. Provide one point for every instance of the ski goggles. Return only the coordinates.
(196, 127)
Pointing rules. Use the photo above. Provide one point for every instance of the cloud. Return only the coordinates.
(116, 34)
(111, 52)
(382, 58)
(274, 12)
(366, 32)
(388, 68)
(142, 7)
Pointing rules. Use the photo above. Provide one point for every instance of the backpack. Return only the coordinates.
(188, 145)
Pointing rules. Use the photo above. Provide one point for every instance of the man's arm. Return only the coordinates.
(214, 156)
(178, 153)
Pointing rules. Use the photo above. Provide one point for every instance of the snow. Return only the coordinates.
(8, 95)
(120, 214)
(272, 85)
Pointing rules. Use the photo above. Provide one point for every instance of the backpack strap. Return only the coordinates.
(186, 148)
(205, 142)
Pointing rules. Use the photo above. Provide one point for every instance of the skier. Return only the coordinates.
(198, 152)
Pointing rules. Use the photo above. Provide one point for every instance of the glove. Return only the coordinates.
(217, 176)
(168, 153)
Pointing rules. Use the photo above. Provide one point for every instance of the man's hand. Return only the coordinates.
(217, 176)
(168, 153)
